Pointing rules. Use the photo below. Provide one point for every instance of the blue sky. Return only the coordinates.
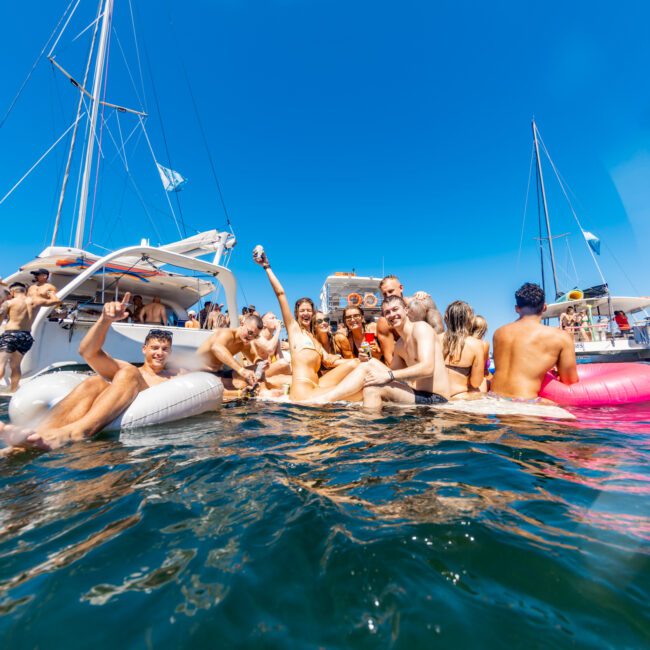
(347, 134)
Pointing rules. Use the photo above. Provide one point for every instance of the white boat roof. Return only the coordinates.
(600, 304)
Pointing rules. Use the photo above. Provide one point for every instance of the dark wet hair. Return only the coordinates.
(530, 297)
(256, 319)
(392, 299)
(301, 301)
(17, 285)
(159, 335)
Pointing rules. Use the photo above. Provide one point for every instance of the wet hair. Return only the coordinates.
(301, 301)
(256, 319)
(18, 285)
(479, 327)
(530, 297)
(386, 278)
(392, 299)
(158, 335)
(459, 319)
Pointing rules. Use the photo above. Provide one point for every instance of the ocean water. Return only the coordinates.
(277, 526)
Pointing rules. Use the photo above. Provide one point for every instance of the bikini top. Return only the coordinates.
(306, 342)
(461, 370)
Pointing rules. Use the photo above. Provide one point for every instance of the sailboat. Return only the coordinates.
(601, 338)
(178, 273)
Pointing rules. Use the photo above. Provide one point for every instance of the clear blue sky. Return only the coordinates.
(347, 133)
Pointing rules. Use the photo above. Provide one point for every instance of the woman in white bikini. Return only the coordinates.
(307, 354)
(464, 356)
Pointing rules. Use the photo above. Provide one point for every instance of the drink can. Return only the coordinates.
(258, 252)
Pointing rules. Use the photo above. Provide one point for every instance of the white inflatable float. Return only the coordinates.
(181, 397)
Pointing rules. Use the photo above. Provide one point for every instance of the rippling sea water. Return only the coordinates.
(277, 526)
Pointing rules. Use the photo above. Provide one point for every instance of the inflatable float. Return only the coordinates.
(179, 398)
(601, 384)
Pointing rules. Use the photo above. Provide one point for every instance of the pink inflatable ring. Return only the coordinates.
(601, 384)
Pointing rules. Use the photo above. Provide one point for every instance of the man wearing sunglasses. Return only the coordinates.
(103, 397)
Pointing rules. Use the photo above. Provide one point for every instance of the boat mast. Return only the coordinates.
(97, 85)
(548, 223)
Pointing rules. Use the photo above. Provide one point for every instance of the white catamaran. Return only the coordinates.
(606, 335)
(176, 273)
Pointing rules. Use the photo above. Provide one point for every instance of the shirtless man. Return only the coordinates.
(17, 340)
(154, 313)
(42, 288)
(100, 399)
(192, 322)
(391, 286)
(268, 344)
(216, 318)
(524, 351)
(220, 349)
(417, 374)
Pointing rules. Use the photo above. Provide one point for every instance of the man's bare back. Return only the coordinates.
(154, 314)
(20, 313)
(524, 351)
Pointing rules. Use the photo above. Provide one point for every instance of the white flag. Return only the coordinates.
(172, 181)
(592, 240)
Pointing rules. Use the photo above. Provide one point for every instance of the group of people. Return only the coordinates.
(578, 323)
(415, 356)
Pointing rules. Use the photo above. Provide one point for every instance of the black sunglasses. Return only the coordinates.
(322, 320)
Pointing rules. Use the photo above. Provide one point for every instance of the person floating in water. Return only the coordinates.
(525, 350)
(100, 399)
(417, 375)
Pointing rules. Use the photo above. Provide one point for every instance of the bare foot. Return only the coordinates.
(14, 436)
(54, 438)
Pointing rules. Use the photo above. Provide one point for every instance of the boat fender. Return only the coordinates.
(601, 384)
(354, 299)
(179, 398)
(370, 300)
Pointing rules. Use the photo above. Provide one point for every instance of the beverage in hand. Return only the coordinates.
(366, 344)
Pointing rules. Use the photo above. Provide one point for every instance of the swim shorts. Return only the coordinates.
(424, 397)
(225, 373)
(16, 341)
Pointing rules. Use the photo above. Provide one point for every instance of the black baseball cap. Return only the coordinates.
(40, 272)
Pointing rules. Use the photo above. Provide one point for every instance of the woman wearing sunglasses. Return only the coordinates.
(350, 345)
(322, 331)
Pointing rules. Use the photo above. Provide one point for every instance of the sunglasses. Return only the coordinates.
(319, 321)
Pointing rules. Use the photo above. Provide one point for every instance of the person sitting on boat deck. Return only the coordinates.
(100, 399)
(16, 341)
(135, 308)
(567, 319)
(417, 375)
(192, 322)
(391, 286)
(350, 344)
(525, 350)
(307, 354)
(204, 312)
(154, 313)
(463, 354)
(216, 318)
(478, 331)
(322, 331)
(42, 288)
(622, 321)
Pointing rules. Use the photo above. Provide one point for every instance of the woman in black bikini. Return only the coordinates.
(464, 355)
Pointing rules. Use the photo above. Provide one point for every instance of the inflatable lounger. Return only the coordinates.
(181, 397)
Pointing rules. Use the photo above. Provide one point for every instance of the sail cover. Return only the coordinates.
(172, 181)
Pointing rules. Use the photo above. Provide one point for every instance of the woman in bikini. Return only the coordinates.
(479, 330)
(322, 331)
(350, 343)
(464, 355)
(307, 354)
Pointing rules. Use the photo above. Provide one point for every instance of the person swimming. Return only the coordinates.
(463, 354)
(307, 354)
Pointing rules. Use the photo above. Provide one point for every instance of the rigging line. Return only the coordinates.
(539, 223)
(35, 165)
(137, 56)
(575, 216)
(126, 65)
(523, 223)
(85, 29)
(35, 64)
(67, 22)
(575, 270)
(200, 123)
(153, 155)
(627, 277)
(164, 136)
(73, 140)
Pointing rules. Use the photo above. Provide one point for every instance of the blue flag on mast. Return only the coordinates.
(172, 181)
(592, 240)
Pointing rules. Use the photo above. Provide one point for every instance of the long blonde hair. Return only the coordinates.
(459, 317)
(479, 327)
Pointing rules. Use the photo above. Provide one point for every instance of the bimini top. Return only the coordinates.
(600, 305)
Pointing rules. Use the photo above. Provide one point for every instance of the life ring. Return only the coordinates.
(358, 300)
(601, 384)
(180, 397)
(370, 300)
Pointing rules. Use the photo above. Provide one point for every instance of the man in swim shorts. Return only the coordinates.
(154, 313)
(417, 375)
(525, 350)
(100, 399)
(391, 286)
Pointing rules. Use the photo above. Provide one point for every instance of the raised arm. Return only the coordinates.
(91, 345)
(287, 315)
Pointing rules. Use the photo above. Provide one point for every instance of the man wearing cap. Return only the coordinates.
(191, 322)
(42, 288)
